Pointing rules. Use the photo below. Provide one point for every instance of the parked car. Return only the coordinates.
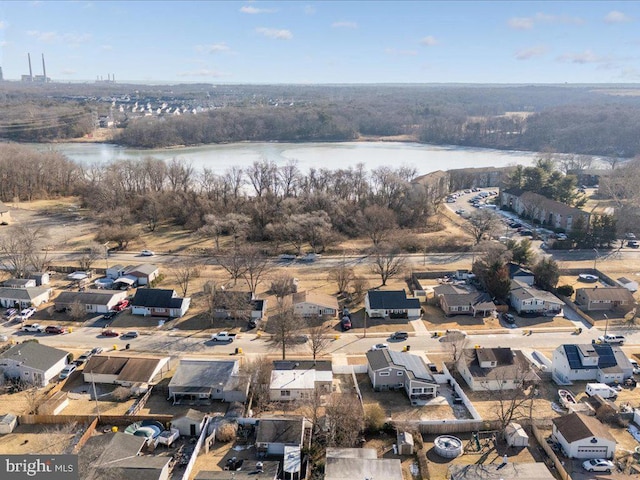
(345, 323)
(32, 327)
(598, 465)
(399, 336)
(27, 313)
(630, 236)
(10, 313)
(508, 318)
(110, 315)
(633, 244)
(110, 333)
(55, 330)
(121, 305)
(82, 359)
(636, 367)
(147, 253)
(300, 339)
(66, 371)
(131, 334)
(379, 346)
(96, 351)
(612, 339)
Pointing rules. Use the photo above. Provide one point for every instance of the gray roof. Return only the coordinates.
(34, 355)
(337, 452)
(88, 297)
(510, 364)
(18, 282)
(144, 268)
(497, 471)
(7, 418)
(516, 270)
(412, 364)
(28, 293)
(191, 414)
(201, 375)
(361, 468)
(576, 426)
(280, 430)
(319, 365)
(523, 292)
(391, 300)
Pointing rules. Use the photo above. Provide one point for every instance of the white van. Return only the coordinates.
(602, 389)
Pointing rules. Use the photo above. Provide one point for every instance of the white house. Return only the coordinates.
(93, 301)
(581, 436)
(495, 368)
(604, 363)
(521, 274)
(144, 273)
(20, 282)
(529, 299)
(190, 424)
(296, 380)
(313, 304)
(33, 363)
(159, 302)
(391, 304)
(25, 297)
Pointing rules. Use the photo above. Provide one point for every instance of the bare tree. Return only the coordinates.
(77, 311)
(342, 275)
(21, 248)
(481, 223)
(344, 420)
(359, 287)
(283, 285)
(233, 263)
(454, 344)
(90, 254)
(259, 372)
(283, 326)
(319, 339)
(376, 222)
(387, 263)
(184, 272)
(256, 266)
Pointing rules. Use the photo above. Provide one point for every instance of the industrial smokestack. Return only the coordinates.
(30, 71)
(44, 70)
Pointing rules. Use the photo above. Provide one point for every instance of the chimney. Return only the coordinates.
(44, 69)
(30, 71)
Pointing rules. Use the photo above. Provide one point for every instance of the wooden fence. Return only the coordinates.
(119, 420)
(562, 473)
(86, 436)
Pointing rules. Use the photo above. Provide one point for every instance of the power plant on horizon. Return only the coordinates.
(38, 78)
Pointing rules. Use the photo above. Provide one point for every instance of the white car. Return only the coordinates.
(379, 346)
(147, 253)
(33, 328)
(635, 366)
(598, 465)
(66, 371)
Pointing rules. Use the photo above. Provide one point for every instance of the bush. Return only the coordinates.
(565, 290)
(226, 431)
(374, 417)
(70, 357)
(120, 394)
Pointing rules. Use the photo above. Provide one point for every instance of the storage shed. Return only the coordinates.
(405, 443)
(190, 424)
(7, 423)
(516, 436)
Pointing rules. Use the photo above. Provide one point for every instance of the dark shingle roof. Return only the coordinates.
(392, 300)
(134, 369)
(201, 375)
(577, 426)
(280, 430)
(156, 297)
(516, 270)
(34, 355)
(510, 364)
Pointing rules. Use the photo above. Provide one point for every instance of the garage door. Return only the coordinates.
(592, 452)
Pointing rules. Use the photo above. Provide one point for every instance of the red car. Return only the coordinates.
(121, 305)
(55, 330)
(110, 333)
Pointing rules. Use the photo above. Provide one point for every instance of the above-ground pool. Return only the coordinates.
(145, 428)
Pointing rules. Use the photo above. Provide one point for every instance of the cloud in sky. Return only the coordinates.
(278, 34)
(614, 16)
(528, 53)
(428, 41)
(203, 72)
(400, 53)
(583, 58)
(255, 11)
(344, 24)
(213, 48)
(527, 23)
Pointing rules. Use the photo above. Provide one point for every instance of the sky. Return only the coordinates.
(324, 41)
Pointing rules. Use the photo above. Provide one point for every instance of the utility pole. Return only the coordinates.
(95, 395)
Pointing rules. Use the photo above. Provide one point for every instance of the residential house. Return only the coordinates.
(19, 283)
(24, 297)
(360, 463)
(115, 271)
(33, 363)
(118, 456)
(495, 369)
(201, 381)
(521, 274)
(238, 305)
(582, 436)
(529, 299)
(5, 214)
(138, 275)
(190, 424)
(313, 304)
(261, 470)
(391, 370)
(500, 471)
(92, 301)
(604, 363)
(547, 212)
(125, 371)
(391, 304)
(604, 299)
(463, 300)
(274, 434)
(41, 278)
(590, 177)
(159, 302)
(299, 379)
(627, 283)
